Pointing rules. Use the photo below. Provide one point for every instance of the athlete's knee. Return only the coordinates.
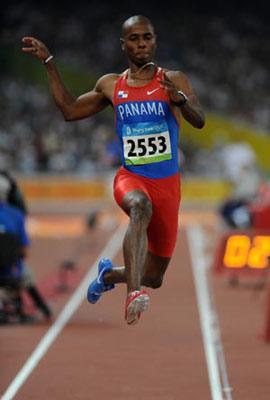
(152, 282)
(140, 207)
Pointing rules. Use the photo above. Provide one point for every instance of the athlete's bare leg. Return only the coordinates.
(141, 266)
(153, 272)
(139, 208)
(151, 275)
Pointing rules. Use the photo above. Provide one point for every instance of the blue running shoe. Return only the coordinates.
(97, 287)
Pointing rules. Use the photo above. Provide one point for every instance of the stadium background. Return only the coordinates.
(223, 48)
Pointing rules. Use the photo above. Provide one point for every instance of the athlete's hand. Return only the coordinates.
(171, 90)
(35, 47)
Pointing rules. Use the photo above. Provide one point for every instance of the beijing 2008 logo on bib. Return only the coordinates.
(146, 143)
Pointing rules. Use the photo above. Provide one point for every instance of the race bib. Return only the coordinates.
(146, 143)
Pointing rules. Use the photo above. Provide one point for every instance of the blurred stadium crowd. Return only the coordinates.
(226, 58)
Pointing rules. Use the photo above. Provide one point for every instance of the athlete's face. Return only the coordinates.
(139, 43)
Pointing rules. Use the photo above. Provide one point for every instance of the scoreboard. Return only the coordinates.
(243, 252)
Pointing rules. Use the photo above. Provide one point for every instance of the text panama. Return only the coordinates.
(127, 110)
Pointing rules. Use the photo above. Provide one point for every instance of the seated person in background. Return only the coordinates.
(15, 198)
(12, 229)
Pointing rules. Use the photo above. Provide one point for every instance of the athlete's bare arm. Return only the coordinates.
(72, 108)
(191, 109)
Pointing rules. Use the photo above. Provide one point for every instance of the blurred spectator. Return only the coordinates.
(13, 250)
(226, 56)
(12, 196)
(240, 169)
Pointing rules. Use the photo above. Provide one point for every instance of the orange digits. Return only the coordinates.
(259, 252)
(241, 252)
(236, 252)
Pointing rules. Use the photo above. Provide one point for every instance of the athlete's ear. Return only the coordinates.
(122, 42)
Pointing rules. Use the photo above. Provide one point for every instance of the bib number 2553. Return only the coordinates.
(147, 149)
(151, 145)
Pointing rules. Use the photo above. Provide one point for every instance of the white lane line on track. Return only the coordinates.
(208, 319)
(109, 251)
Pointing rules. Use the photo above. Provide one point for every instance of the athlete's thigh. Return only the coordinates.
(163, 227)
(128, 187)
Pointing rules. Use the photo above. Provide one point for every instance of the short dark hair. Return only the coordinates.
(134, 20)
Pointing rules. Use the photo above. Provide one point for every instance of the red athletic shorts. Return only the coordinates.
(164, 194)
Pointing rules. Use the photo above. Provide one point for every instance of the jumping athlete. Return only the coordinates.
(148, 102)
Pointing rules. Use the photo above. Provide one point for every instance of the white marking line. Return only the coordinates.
(208, 320)
(109, 251)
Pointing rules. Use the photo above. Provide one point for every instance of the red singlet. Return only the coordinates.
(164, 194)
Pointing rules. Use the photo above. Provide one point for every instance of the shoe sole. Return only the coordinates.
(136, 307)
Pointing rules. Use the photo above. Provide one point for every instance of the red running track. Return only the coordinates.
(97, 355)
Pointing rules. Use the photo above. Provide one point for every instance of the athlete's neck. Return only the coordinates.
(145, 72)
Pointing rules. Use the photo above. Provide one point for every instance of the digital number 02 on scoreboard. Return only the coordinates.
(243, 252)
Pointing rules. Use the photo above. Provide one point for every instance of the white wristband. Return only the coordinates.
(184, 96)
(48, 59)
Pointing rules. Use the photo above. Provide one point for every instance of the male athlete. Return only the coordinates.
(148, 102)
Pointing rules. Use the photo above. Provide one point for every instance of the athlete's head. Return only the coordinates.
(138, 40)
